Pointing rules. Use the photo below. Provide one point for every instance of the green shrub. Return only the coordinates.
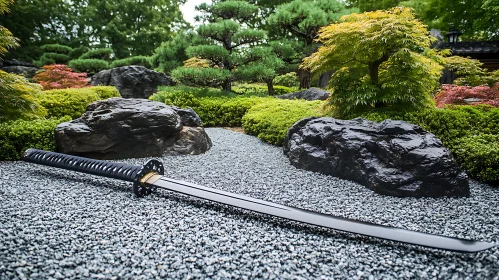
(289, 80)
(90, 66)
(205, 77)
(77, 52)
(134, 60)
(215, 107)
(73, 101)
(56, 48)
(103, 53)
(271, 120)
(43, 61)
(260, 90)
(57, 57)
(18, 136)
(479, 156)
(18, 98)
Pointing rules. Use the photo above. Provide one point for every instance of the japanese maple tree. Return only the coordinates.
(59, 76)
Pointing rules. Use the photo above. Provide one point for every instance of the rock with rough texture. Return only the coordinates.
(28, 72)
(188, 116)
(132, 81)
(119, 128)
(308, 94)
(15, 62)
(392, 157)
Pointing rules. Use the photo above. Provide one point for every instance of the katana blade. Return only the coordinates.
(148, 177)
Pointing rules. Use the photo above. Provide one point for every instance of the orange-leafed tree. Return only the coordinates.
(59, 76)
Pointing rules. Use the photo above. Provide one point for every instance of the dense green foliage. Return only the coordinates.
(470, 72)
(102, 53)
(7, 40)
(215, 107)
(226, 35)
(258, 89)
(479, 156)
(56, 48)
(73, 101)
(134, 60)
(17, 98)
(379, 61)
(129, 27)
(18, 136)
(270, 121)
(303, 19)
(288, 80)
(458, 127)
(90, 66)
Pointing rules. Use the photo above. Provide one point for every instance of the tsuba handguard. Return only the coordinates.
(153, 166)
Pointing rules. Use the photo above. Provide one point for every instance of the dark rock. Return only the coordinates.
(308, 94)
(27, 72)
(125, 128)
(191, 141)
(15, 62)
(132, 81)
(392, 157)
(188, 116)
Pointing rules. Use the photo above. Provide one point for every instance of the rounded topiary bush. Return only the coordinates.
(103, 53)
(134, 60)
(90, 66)
(270, 120)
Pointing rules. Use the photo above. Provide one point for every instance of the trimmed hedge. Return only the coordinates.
(215, 107)
(73, 101)
(90, 66)
(102, 53)
(271, 120)
(479, 156)
(56, 48)
(18, 136)
(134, 60)
(257, 89)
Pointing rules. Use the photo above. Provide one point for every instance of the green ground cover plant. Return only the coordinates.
(270, 120)
(73, 101)
(215, 107)
(19, 135)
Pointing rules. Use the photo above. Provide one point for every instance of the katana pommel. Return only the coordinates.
(120, 171)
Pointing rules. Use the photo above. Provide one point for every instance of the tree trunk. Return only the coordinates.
(374, 75)
(374, 69)
(324, 79)
(270, 86)
(304, 76)
(227, 85)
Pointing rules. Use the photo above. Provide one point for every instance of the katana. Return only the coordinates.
(147, 178)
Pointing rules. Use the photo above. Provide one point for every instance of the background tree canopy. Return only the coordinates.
(129, 27)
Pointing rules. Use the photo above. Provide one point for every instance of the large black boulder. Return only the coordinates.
(392, 157)
(28, 72)
(128, 128)
(132, 81)
(307, 94)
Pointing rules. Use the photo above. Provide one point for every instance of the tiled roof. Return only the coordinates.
(468, 48)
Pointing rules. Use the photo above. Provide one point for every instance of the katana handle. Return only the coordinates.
(120, 171)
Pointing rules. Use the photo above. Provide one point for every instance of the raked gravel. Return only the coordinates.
(63, 225)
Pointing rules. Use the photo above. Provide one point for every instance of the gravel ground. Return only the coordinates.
(59, 224)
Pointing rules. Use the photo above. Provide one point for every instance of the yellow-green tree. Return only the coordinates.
(16, 93)
(379, 62)
(7, 40)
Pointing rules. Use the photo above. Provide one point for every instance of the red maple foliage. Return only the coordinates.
(456, 95)
(59, 76)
